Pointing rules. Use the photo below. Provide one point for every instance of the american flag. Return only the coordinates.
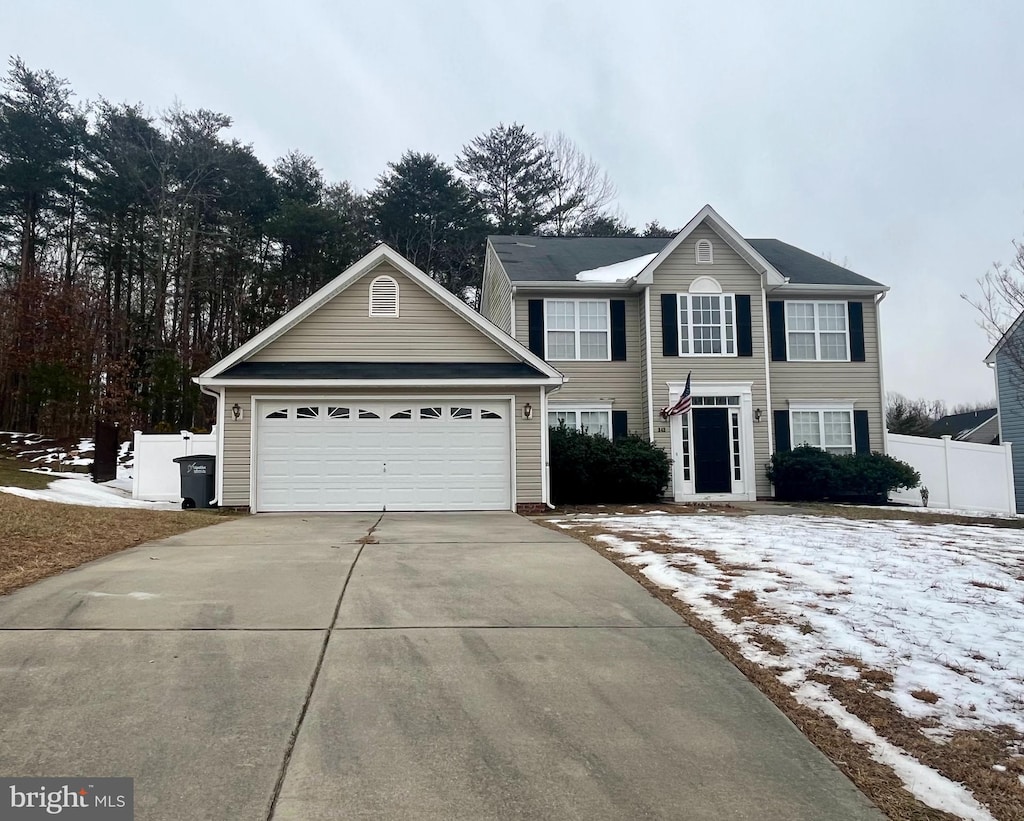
(682, 405)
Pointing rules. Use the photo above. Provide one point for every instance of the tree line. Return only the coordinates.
(137, 249)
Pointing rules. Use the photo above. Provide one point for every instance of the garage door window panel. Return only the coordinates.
(308, 412)
(430, 413)
(337, 413)
(402, 414)
(461, 413)
(281, 413)
(368, 414)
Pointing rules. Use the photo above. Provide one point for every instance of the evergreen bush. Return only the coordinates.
(809, 474)
(590, 468)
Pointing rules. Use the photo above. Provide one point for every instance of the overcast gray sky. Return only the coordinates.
(888, 135)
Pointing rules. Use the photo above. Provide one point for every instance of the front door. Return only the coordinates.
(712, 459)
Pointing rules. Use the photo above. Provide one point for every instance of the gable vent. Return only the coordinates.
(705, 254)
(384, 297)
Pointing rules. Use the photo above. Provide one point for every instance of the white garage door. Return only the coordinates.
(365, 455)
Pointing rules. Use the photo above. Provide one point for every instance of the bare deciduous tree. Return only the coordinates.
(999, 305)
(582, 191)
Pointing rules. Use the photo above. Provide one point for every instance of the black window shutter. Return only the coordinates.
(619, 424)
(861, 437)
(777, 328)
(669, 325)
(782, 442)
(744, 335)
(856, 311)
(536, 317)
(618, 330)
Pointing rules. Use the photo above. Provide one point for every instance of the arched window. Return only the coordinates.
(705, 252)
(384, 297)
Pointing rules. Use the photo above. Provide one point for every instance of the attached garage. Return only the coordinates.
(382, 391)
(361, 454)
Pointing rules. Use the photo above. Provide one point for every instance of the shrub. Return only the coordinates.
(809, 474)
(589, 468)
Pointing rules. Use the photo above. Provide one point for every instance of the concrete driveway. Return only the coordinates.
(455, 666)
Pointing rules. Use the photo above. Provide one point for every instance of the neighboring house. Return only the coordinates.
(980, 427)
(783, 345)
(1006, 358)
(381, 391)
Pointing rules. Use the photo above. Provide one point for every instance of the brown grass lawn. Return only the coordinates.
(40, 539)
(13, 475)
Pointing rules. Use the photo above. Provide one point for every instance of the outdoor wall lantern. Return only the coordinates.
(236, 411)
(528, 411)
(757, 415)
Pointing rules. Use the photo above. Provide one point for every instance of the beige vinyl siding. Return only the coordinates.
(735, 276)
(496, 292)
(237, 435)
(342, 330)
(615, 382)
(857, 381)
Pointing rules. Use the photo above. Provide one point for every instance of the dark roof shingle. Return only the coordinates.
(559, 259)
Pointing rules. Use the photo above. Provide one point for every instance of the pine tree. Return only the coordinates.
(512, 173)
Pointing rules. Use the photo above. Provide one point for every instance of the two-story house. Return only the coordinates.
(782, 345)
(383, 391)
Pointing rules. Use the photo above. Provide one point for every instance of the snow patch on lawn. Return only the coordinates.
(939, 607)
(933, 789)
(80, 490)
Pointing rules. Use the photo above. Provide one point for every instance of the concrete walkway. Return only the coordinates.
(455, 666)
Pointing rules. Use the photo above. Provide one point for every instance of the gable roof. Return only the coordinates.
(529, 259)
(382, 253)
(958, 425)
(708, 215)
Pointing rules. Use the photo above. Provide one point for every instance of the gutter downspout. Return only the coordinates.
(219, 396)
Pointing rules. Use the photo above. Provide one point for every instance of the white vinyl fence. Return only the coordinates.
(958, 475)
(156, 476)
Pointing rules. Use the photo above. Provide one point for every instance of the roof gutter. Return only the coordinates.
(342, 384)
(798, 288)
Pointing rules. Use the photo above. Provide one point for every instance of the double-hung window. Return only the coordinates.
(817, 331)
(707, 325)
(577, 329)
(591, 420)
(830, 430)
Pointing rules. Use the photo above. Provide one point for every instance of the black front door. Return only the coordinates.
(712, 468)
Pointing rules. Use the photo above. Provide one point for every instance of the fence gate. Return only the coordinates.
(104, 462)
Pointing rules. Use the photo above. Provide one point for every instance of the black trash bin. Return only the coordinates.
(198, 480)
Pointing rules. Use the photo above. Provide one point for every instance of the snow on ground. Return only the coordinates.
(940, 607)
(948, 511)
(80, 490)
(618, 272)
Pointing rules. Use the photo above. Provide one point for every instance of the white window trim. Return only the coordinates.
(817, 328)
(821, 407)
(388, 314)
(577, 408)
(689, 324)
(577, 331)
(711, 252)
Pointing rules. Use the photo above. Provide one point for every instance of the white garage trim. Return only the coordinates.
(259, 403)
